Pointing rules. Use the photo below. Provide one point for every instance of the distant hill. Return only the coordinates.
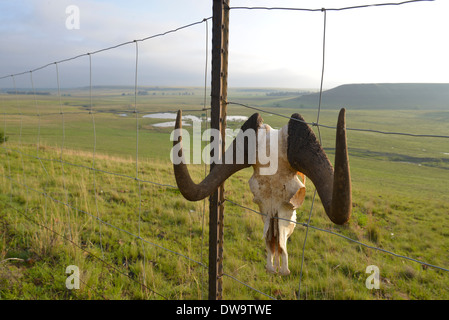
(380, 96)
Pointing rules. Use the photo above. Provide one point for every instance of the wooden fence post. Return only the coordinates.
(220, 29)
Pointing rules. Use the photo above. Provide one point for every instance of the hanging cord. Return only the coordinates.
(20, 130)
(205, 164)
(38, 113)
(94, 153)
(139, 187)
(7, 157)
(62, 150)
(319, 135)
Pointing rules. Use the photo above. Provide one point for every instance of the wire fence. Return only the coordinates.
(22, 181)
(95, 214)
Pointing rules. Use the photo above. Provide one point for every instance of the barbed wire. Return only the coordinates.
(327, 9)
(92, 168)
(315, 124)
(136, 176)
(319, 137)
(114, 112)
(248, 286)
(70, 206)
(308, 225)
(111, 48)
(34, 221)
(256, 108)
(122, 175)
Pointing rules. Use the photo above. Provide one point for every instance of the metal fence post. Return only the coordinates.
(220, 29)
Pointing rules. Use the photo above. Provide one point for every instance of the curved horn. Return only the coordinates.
(305, 154)
(219, 173)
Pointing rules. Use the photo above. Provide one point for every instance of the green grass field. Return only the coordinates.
(136, 239)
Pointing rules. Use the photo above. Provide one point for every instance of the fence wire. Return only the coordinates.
(328, 9)
(22, 184)
(136, 177)
(320, 125)
(308, 225)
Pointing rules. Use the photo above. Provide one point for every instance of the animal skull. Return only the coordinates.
(278, 195)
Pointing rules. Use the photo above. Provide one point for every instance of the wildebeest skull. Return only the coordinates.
(278, 195)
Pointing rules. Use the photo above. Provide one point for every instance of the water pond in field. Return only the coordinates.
(170, 116)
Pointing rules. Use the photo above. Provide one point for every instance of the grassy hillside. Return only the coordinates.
(412, 96)
(140, 239)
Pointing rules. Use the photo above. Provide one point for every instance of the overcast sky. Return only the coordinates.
(406, 43)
